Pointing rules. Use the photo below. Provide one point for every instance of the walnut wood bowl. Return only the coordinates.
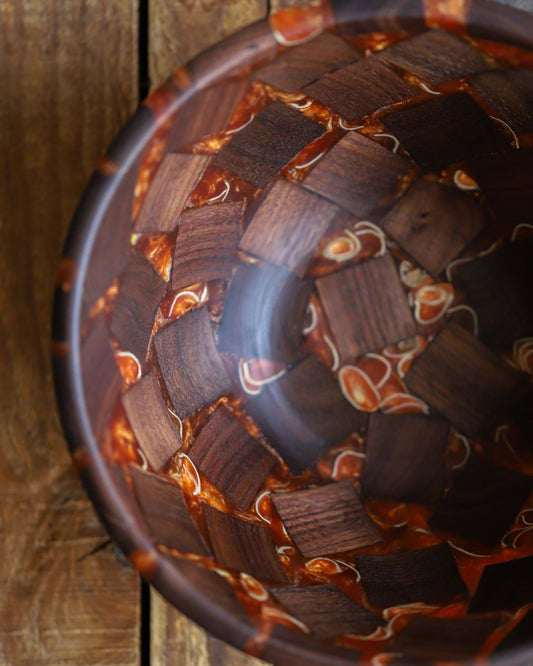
(293, 336)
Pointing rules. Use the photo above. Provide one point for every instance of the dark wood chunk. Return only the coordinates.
(426, 575)
(206, 244)
(264, 313)
(445, 639)
(482, 502)
(360, 89)
(435, 56)
(510, 93)
(286, 645)
(328, 519)
(208, 112)
(507, 184)
(166, 512)
(100, 375)
(243, 546)
(434, 223)
(288, 226)
(500, 23)
(212, 586)
(359, 175)
(299, 65)
(231, 458)
(461, 378)
(110, 254)
(303, 414)
(327, 611)
(366, 307)
(193, 372)
(499, 288)
(519, 636)
(140, 290)
(444, 130)
(504, 586)
(173, 183)
(522, 414)
(150, 421)
(405, 458)
(356, 17)
(259, 151)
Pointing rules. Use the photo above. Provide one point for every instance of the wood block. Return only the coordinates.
(206, 244)
(507, 184)
(243, 546)
(356, 17)
(510, 93)
(100, 375)
(482, 502)
(325, 520)
(212, 586)
(231, 458)
(445, 639)
(299, 65)
(285, 644)
(405, 458)
(366, 307)
(206, 113)
(498, 287)
(444, 130)
(360, 89)
(435, 56)
(519, 635)
(434, 223)
(326, 610)
(139, 294)
(259, 151)
(504, 586)
(150, 421)
(359, 175)
(166, 512)
(175, 179)
(288, 226)
(303, 414)
(192, 370)
(425, 575)
(461, 378)
(264, 313)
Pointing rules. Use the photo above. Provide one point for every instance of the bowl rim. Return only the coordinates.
(245, 47)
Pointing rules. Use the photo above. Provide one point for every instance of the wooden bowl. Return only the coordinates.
(293, 336)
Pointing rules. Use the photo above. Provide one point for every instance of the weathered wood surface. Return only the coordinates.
(69, 81)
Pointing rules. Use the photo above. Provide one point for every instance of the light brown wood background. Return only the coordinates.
(69, 78)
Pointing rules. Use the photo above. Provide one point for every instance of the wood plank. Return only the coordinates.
(180, 30)
(359, 175)
(366, 307)
(62, 103)
(392, 579)
(177, 641)
(327, 519)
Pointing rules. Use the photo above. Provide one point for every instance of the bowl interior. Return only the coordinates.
(294, 338)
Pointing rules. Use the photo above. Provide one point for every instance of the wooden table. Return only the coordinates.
(71, 73)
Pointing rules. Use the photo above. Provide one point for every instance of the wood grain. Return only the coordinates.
(181, 29)
(69, 81)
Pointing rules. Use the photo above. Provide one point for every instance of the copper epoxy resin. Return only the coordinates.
(299, 327)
